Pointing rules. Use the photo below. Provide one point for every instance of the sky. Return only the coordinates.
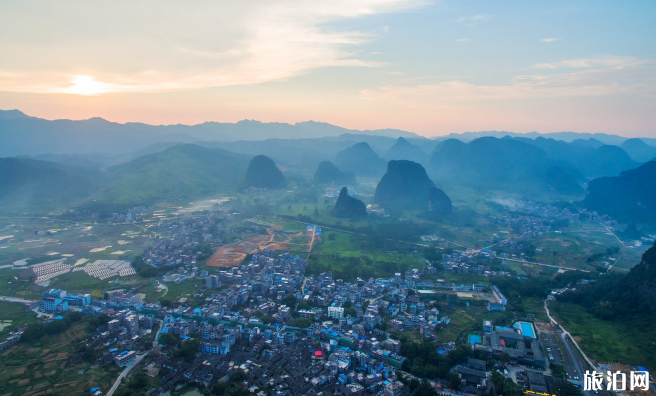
(427, 66)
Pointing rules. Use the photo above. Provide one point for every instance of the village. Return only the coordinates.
(281, 332)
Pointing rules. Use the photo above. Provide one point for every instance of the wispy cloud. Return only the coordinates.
(185, 46)
(588, 63)
(635, 78)
(549, 40)
(463, 40)
(474, 19)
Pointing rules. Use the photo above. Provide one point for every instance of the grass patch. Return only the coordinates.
(13, 285)
(607, 341)
(467, 319)
(15, 313)
(350, 256)
(178, 290)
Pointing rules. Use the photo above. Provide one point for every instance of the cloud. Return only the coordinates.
(588, 63)
(635, 78)
(474, 19)
(549, 40)
(178, 46)
(462, 40)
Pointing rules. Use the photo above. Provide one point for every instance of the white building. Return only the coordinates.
(336, 312)
(125, 358)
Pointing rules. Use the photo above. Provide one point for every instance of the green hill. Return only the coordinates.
(560, 180)
(27, 183)
(360, 159)
(639, 150)
(489, 161)
(403, 149)
(347, 206)
(629, 196)
(182, 171)
(262, 172)
(406, 185)
(328, 173)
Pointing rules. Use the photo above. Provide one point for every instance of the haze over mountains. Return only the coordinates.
(25, 135)
(103, 162)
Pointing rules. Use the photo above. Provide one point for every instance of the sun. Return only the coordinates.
(86, 85)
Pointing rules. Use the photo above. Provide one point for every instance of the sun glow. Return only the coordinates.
(86, 85)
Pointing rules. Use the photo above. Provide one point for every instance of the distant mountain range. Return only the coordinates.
(25, 135)
(96, 162)
(32, 136)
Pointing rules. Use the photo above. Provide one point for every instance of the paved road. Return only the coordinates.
(565, 334)
(159, 327)
(544, 265)
(125, 373)
(613, 265)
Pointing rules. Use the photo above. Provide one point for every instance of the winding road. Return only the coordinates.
(125, 372)
(566, 333)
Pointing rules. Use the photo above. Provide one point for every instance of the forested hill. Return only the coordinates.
(631, 297)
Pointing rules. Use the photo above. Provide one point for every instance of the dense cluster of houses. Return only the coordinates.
(469, 261)
(133, 214)
(184, 237)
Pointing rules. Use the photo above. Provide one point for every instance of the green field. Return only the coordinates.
(11, 284)
(187, 289)
(44, 366)
(607, 341)
(466, 319)
(13, 315)
(350, 256)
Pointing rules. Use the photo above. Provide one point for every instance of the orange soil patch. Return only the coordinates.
(233, 254)
(275, 245)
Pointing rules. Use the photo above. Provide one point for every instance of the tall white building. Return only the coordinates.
(336, 312)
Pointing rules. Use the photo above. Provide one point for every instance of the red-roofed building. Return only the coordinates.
(318, 354)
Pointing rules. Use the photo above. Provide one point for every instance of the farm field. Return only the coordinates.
(45, 366)
(39, 239)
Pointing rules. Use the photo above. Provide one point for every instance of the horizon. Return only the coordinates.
(428, 66)
(328, 123)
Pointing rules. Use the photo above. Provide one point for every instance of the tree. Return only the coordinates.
(168, 339)
(166, 303)
(557, 370)
(290, 301)
(302, 322)
(424, 389)
(188, 349)
(454, 381)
